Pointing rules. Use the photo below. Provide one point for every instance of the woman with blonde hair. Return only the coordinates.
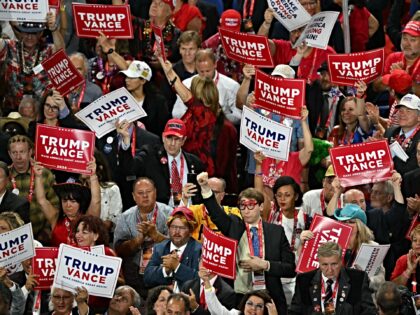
(202, 101)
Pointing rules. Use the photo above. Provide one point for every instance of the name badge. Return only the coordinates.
(258, 281)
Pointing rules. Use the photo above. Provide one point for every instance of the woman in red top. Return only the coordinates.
(203, 106)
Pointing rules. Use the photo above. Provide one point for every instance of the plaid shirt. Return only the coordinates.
(19, 82)
(22, 183)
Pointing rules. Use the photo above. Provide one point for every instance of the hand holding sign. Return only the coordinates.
(51, 21)
(105, 43)
(248, 71)
(91, 167)
(82, 295)
(268, 17)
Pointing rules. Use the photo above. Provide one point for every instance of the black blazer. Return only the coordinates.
(401, 166)
(353, 297)
(225, 294)
(152, 162)
(276, 246)
(411, 182)
(12, 202)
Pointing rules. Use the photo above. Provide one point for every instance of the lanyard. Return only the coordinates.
(81, 96)
(404, 144)
(414, 282)
(181, 174)
(413, 68)
(154, 218)
(295, 222)
(133, 141)
(311, 71)
(31, 184)
(335, 289)
(347, 140)
(260, 239)
(251, 9)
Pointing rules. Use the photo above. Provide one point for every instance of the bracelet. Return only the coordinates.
(53, 30)
(194, 310)
(172, 82)
(258, 174)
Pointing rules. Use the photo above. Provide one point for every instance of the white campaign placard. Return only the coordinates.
(77, 267)
(100, 116)
(263, 134)
(318, 31)
(370, 257)
(290, 13)
(23, 11)
(16, 246)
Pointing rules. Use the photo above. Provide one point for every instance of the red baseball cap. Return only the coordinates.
(231, 20)
(171, 3)
(412, 28)
(184, 211)
(175, 127)
(398, 80)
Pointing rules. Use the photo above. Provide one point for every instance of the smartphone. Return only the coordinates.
(197, 198)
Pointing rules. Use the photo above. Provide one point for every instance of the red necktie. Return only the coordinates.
(203, 297)
(176, 180)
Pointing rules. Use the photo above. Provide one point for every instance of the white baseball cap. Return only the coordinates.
(284, 71)
(138, 69)
(410, 101)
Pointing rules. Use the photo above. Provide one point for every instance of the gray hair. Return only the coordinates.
(329, 249)
(51, 305)
(134, 294)
(83, 57)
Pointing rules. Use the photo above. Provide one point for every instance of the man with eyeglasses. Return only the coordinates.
(137, 230)
(22, 183)
(175, 260)
(264, 255)
(332, 288)
(166, 165)
(23, 55)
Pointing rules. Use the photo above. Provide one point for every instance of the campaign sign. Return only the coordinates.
(23, 11)
(44, 265)
(64, 149)
(113, 20)
(347, 69)
(16, 245)
(279, 95)
(370, 257)
(290, 13)
(219, 253)
(325, 230)
(318, 31)
(62, 73)
(259, 133)
(414, 222)
(159, 40)
(362, 163)
(246, 48)
(77, 267)
(100, 116)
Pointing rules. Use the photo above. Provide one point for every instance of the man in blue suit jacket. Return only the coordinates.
(175, 261)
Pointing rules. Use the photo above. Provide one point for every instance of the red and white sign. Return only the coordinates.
(279, 95)
(54, 6)
(113, 20)
(414, 222)
(64, 149)
(290, 13)
(77, 267)
(246, 48)
(325, 230)
(347, 69)
(100, 116)
(159, 41)
(318, 31)
(362, 163)
(62, 73)
(16, 246)
(219, 253)
(259, 133)
(44, 265)
(23, 11)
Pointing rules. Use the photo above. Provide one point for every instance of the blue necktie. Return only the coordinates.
(255, 241)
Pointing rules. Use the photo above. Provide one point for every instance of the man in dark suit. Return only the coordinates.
(195, 288)
(332, 288)
(157, 162)
(264, 254)
(411, 188)
(175, 261)
(8, 200)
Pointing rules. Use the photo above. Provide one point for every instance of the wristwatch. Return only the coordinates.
(110, 51)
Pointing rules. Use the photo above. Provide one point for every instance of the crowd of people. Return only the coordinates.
(153, 184)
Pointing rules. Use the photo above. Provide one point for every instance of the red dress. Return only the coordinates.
(200, 121)
(61, 234)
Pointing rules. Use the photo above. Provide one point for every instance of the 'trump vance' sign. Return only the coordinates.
(362, 163)
(23, 10)
(113, 20)
(77, 267)
(16, 246)
(100, 116)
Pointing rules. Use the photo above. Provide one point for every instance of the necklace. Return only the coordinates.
(24, 68)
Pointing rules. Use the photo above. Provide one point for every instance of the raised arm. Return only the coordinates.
(242, 94)
(107, 44)
(95, 191)
(360, 108)
(50, 212)
(333, 204)
(308, 145)
(174, 81)
(268, 19)
(259, 185)
(58, 39)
